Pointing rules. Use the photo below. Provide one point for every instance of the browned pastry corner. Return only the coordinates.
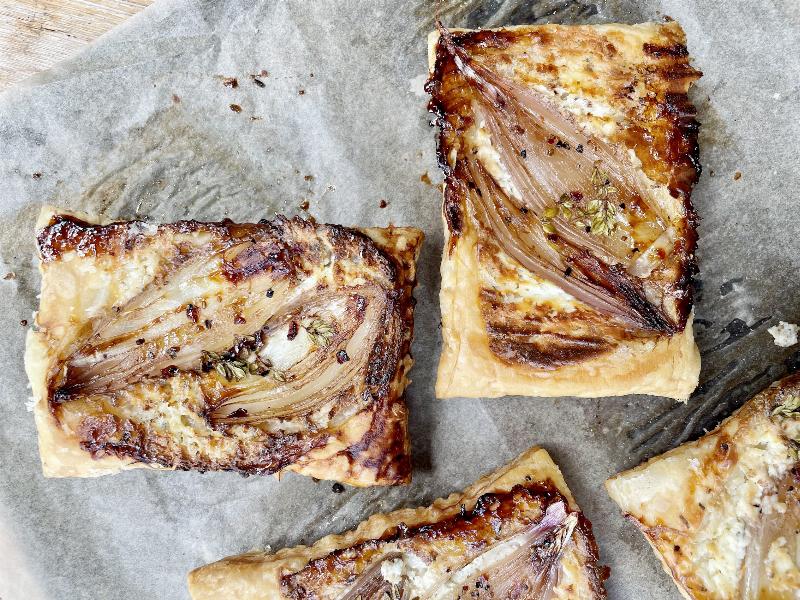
(723, 512)
(258, 348)
(515, 533)
(569, 155)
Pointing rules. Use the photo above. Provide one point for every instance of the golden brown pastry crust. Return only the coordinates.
(658, 365)
(368, 438)
(256, 575)
(468, 368)
(697, 504)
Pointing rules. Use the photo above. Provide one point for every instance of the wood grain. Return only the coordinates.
(36, 34)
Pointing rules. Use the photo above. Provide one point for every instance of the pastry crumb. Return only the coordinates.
(784, 334)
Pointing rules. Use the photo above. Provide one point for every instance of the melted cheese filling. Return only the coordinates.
(724, 534)
(517, 285)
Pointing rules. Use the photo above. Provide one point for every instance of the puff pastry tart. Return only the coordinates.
(222, 346)
(569, 155)
(516, 533)
(723, 512)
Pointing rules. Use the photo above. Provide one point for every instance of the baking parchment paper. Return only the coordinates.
(141, 125)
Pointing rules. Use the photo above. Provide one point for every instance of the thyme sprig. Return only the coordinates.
(321, 332)
(788, 407)
(598, 215)
(235, 367)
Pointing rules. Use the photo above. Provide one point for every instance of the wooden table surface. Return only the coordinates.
(36, 34)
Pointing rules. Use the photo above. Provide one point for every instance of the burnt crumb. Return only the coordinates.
(737, 176)
(293, 329)
(579, 148)
(622, 205)
(208, 323)
(308, 178)
(24, 322)
(37, 175)
(523, 153)
(169, 371)
(563, 144)
(239, 320)
(172, 351)
(301, 92)
(10, 275)
(341, 357)
(258, 82)
(676, 548)
(176, 99)
(383, 203)
(304, 205)
(255, 118)
(270, 293)
(192, 312)
(140, 341)
(524, 210)
(673, 51)
(230, 82)
(337, 488)
(567, 271)
(236, 108)
(239, 412)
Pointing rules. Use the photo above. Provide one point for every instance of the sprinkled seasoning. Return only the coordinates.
(192, 312)
(341, 357)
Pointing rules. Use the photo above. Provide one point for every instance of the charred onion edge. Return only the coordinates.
(545, 491)
(683, 151)
(389, 436)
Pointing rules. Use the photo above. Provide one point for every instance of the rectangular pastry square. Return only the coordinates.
(515, 533)
(723, 512)
(258, 348)
(569, 155)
